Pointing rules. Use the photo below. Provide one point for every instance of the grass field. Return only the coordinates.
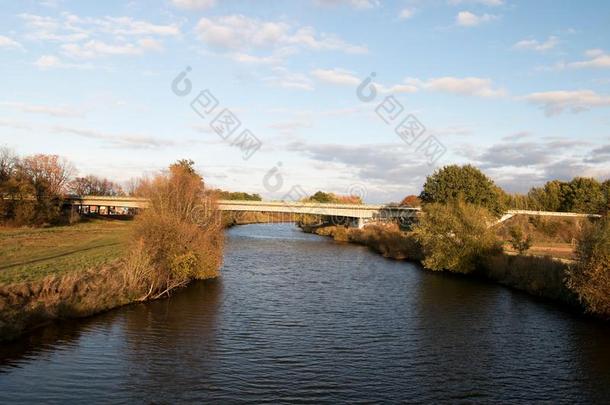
(28, 254)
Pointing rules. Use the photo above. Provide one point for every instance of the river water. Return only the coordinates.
(299, 318)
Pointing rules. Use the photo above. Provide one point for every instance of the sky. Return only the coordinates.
(284, 98)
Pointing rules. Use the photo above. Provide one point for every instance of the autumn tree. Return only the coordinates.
(48, 174)
(411, 201)
(178, 238)
(463, 183)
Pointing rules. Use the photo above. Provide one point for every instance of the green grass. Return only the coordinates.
(28, 254)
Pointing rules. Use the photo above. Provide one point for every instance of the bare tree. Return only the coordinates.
(49, 174)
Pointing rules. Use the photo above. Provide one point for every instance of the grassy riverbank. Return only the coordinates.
(60, 272)
(79, 270)
(29, 254)
(540, 276)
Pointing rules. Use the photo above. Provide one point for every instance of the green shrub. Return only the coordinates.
(518, 241)
(455, 236)
(589, 278)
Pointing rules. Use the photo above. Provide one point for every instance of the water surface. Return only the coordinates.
(299, 318)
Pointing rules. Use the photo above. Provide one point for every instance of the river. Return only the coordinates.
(300, 318)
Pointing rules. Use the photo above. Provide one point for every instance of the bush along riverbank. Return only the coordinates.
(457, 238)
(178, 239)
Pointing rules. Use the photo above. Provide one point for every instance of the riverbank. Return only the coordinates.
(542, 277)
(55, 273)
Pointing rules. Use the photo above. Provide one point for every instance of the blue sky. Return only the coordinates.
(518, 88)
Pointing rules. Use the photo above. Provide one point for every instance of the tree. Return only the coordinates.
(322, 197)
(92, 185)
(589, 278)
(455, 236)
(584, 195)
(48, 174)
(548, 198)
(606, 192)
(411, 201)
(518, 241)
(466, 183)
(179, 237)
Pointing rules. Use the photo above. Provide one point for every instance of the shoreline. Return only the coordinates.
(540, 277)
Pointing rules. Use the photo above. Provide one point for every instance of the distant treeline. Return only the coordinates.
(467, 183)
(235, 195)
(32, 188)
(332, 198)
(582, 194)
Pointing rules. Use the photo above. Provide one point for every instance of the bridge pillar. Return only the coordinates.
(357, 223)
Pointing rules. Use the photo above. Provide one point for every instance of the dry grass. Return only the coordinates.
(539, 276)
(387, 240)
(26, 305)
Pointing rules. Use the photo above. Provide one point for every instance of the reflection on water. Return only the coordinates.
(299, 318)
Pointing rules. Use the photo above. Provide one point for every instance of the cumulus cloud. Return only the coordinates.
(283, 78)
(86, 37)
(94, 48)
(557, 102)
(194, 4)
(359, 4)
(406, 13)
(391, 164)
(336, 76)
(521, 164)
(468, 19)
(600, 155)
(53, 62)
(482, 2)
(290, 127)
(534, 45)
(467, 86)
(9, 43)
(239, 33)
(598, 58)
(344, 77)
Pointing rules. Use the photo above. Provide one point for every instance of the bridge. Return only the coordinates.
(355, 214)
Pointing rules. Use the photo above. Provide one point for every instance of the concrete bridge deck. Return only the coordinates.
(360, 212)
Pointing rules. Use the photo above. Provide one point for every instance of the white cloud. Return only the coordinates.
(239, 33)
(556, 102)
(468, 86)
(598, 58)
(9, 43)
(86, 37)
(406, 13)
(336, 76)
(468, 19)
(95, 48)
(56, 111)
(292, 126)
(289, 80)
(194, 4)
(53, 62)
(397, 88)
(118, 140)
(534, 45)
(359, 4)
(482, 2)
(72, 28)
(344, 77)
